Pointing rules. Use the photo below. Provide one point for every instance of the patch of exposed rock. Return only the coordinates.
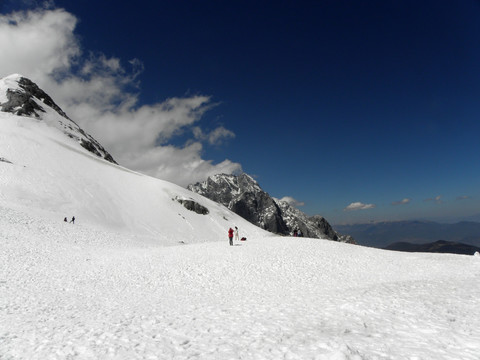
(193, 206)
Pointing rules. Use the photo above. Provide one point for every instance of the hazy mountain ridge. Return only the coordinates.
(440, 246)
(382, 234)
(245, 197)
(22, 97)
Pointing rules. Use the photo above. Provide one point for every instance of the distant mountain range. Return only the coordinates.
(440, 246)
(417, 232)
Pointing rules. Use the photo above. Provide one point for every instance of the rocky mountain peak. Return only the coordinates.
(231, 184)
(244, 196)
(22, 97)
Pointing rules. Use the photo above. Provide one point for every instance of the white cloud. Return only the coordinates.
(358, 206)
(220, 133)
(37, 44)
(181, 165)
(402, 202)
(437, 199)
(215, 137)
(293, 202)
(43, 47)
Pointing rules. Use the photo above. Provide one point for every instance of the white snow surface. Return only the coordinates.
(138, 276)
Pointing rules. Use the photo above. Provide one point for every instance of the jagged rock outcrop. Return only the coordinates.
(5, 160)
(20, 96)
(194, 206)
(244, 196)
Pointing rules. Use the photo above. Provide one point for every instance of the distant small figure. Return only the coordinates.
(299, 234)
(230, 236)
(295, 232)
(65, 219)
(236, 234)
(73, 220)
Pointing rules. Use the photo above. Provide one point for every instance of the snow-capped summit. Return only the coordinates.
(21, 96)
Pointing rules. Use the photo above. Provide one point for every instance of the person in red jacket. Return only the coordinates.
(230, 236)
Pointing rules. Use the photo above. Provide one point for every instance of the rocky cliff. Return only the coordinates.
(244, 196)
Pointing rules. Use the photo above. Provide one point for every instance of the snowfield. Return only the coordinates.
(77, 292)
(138, 276)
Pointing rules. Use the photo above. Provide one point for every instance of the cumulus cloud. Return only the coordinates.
(39, 43)
(215, 137)
(358, 206)
(96, 92)
(402, 202)
(293, 202)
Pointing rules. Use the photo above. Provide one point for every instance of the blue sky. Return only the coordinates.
(360, 110)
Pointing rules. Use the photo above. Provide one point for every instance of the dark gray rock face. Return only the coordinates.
(322, 224)
(243, 195)
(22, 102)
(5, 160)
(193, 206)
(27, 99)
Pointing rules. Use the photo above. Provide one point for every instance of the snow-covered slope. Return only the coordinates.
(79, 292)
(50, 175)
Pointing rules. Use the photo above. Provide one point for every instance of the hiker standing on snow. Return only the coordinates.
(230, 236)
(237, 238)
(73, 220)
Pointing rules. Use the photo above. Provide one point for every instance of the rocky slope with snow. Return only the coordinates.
(22, 97)
(244, 196)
